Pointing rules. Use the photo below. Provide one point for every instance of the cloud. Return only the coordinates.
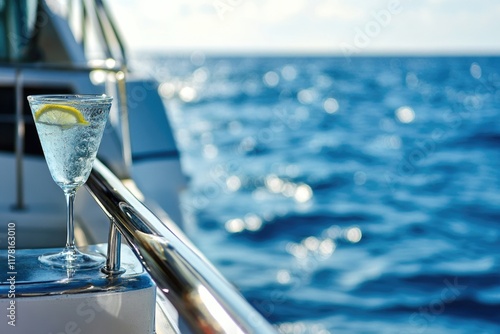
(336, 10)
(281, 10)
(320, 25)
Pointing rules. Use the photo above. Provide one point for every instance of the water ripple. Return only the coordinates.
(346, 197)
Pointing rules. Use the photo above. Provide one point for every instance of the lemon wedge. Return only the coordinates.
(56, 114)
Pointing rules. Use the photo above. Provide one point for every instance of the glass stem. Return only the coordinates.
(70, 227)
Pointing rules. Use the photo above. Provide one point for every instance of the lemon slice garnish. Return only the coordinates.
(57, 114)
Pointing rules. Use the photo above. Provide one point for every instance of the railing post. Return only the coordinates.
(113, 260)
(19, 143)
(125, 129)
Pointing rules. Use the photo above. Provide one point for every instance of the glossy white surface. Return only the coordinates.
(38, 299)
(127, 313)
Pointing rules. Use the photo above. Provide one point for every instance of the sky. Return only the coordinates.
(353, 27)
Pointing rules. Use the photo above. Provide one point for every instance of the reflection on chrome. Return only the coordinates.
(203, 298)
(215, 309)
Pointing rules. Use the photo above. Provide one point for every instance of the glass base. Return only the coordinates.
(72, 259)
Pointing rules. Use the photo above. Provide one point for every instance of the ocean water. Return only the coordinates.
(344, 195)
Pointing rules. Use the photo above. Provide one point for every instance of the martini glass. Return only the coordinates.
(70, 129)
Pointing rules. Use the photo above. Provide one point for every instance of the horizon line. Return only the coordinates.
(317, 53)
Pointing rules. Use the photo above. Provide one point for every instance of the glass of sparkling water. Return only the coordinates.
(70, 128)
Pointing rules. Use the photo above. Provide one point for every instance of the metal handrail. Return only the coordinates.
(19, 142)
(204, 299)
(94, 65)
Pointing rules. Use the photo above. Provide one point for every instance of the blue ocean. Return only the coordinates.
(345, 195)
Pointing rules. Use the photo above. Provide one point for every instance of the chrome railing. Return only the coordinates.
(206, 302)
(19, 142)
